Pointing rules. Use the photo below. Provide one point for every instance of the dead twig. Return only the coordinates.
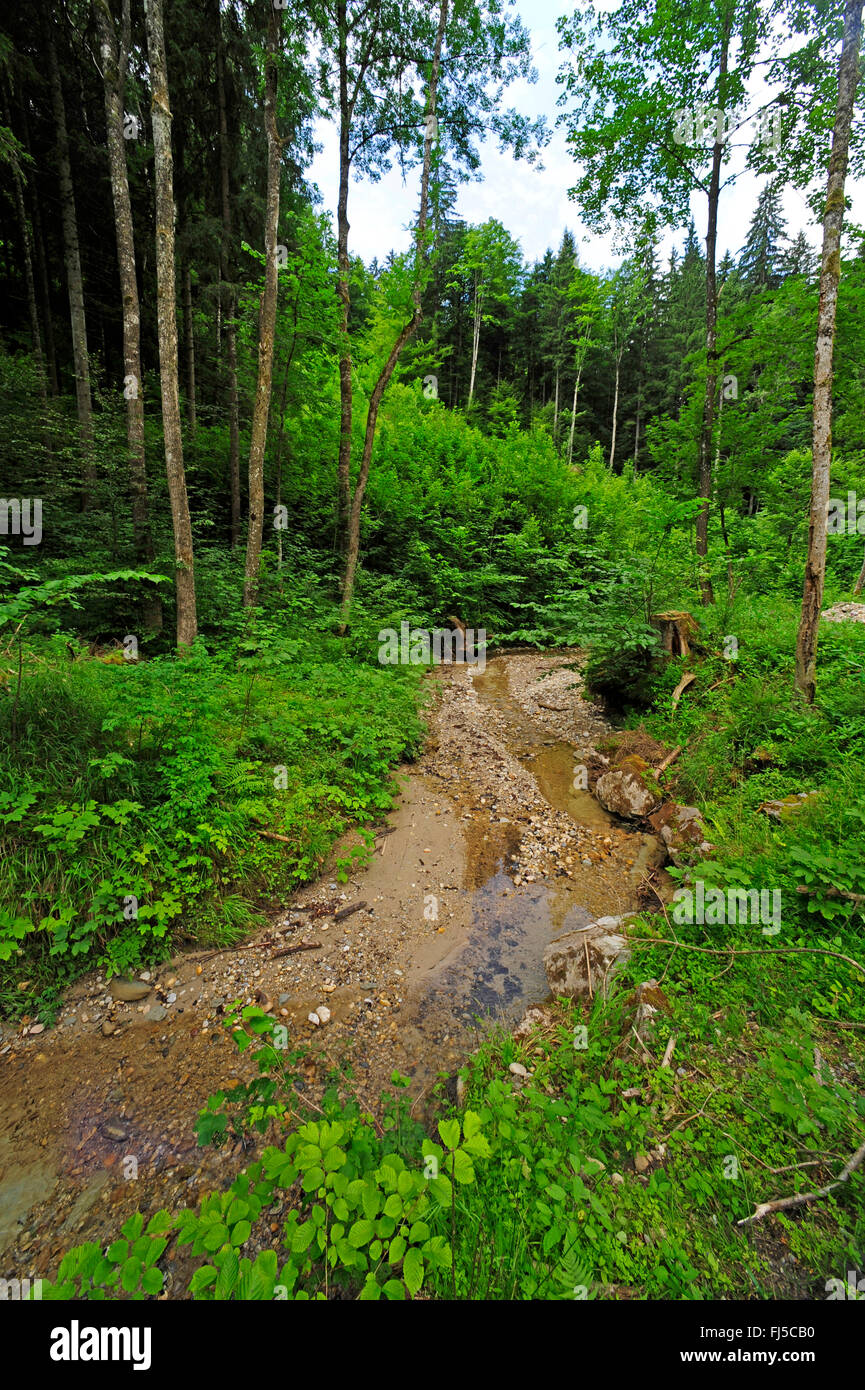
(292, 950)
(686, 680)
(749, 950)
(800, 1198)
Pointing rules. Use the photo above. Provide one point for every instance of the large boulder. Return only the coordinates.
(627, 790)
(594, 953)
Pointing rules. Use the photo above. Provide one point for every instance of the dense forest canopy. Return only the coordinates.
(235, 453)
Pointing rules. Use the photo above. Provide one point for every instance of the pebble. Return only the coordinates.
(641, 1163)
(517, 1069)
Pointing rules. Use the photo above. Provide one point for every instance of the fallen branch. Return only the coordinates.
(272, 835)
(347, 911)
(292, 950)
(668, 761)
(668, 1050)
(749, 950)
(857, 898)
(686, 680)
(800, 1198)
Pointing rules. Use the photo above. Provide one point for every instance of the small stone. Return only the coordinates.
(616, 1179)
(156, 1013)
(313, 1019)
(126, 990)
(641, 1163)
(107, 1028)
(517, 1069)
(145, 975)
(323, 1014)
(170, 998)
(37, 1028)
(284, 998)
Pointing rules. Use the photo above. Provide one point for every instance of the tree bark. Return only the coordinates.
(476, 337)
(228, 275)
(72, 258)
(266, 319)
(708, 426)
(402, 338)
(830, 276)
(187, 622)
(615, 411)
(114, 60)
(189, 345)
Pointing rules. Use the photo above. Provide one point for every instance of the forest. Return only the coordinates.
(432, 682)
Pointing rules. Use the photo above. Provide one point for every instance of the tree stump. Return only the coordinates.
(675, 630)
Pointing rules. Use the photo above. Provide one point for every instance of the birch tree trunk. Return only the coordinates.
(187, 622)
(266, 319)
(830, 276)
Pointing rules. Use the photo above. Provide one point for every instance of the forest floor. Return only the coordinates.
(488, 855)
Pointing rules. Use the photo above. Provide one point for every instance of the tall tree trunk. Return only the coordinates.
(29, 279)
(41, 265)
(343, 470)
(476, 338)
(266, 318)
(573, 417)
(830, 276)
(72, 257)
(708, 426)
(615, 411)
(556, 410)
(189, 344)
(403, 336)
(114, 60)
(187, 621)
(227, 261)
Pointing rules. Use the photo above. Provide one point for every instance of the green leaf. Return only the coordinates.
(412, 1269)
(361, 1233)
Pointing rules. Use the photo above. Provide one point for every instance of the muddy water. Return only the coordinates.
(495, 970)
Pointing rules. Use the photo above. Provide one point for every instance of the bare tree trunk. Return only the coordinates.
(187, 622)
(476, 338)
(402, 338)
(708, 426)
(615, 411)
(830, 276)
(228, 274)
(114, 61)
(860, 582)
(266, 318)
(72, 256)
(573, 418)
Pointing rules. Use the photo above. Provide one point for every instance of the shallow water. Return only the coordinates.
(495, 971)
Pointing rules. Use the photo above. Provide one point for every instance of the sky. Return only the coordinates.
(532, 203)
